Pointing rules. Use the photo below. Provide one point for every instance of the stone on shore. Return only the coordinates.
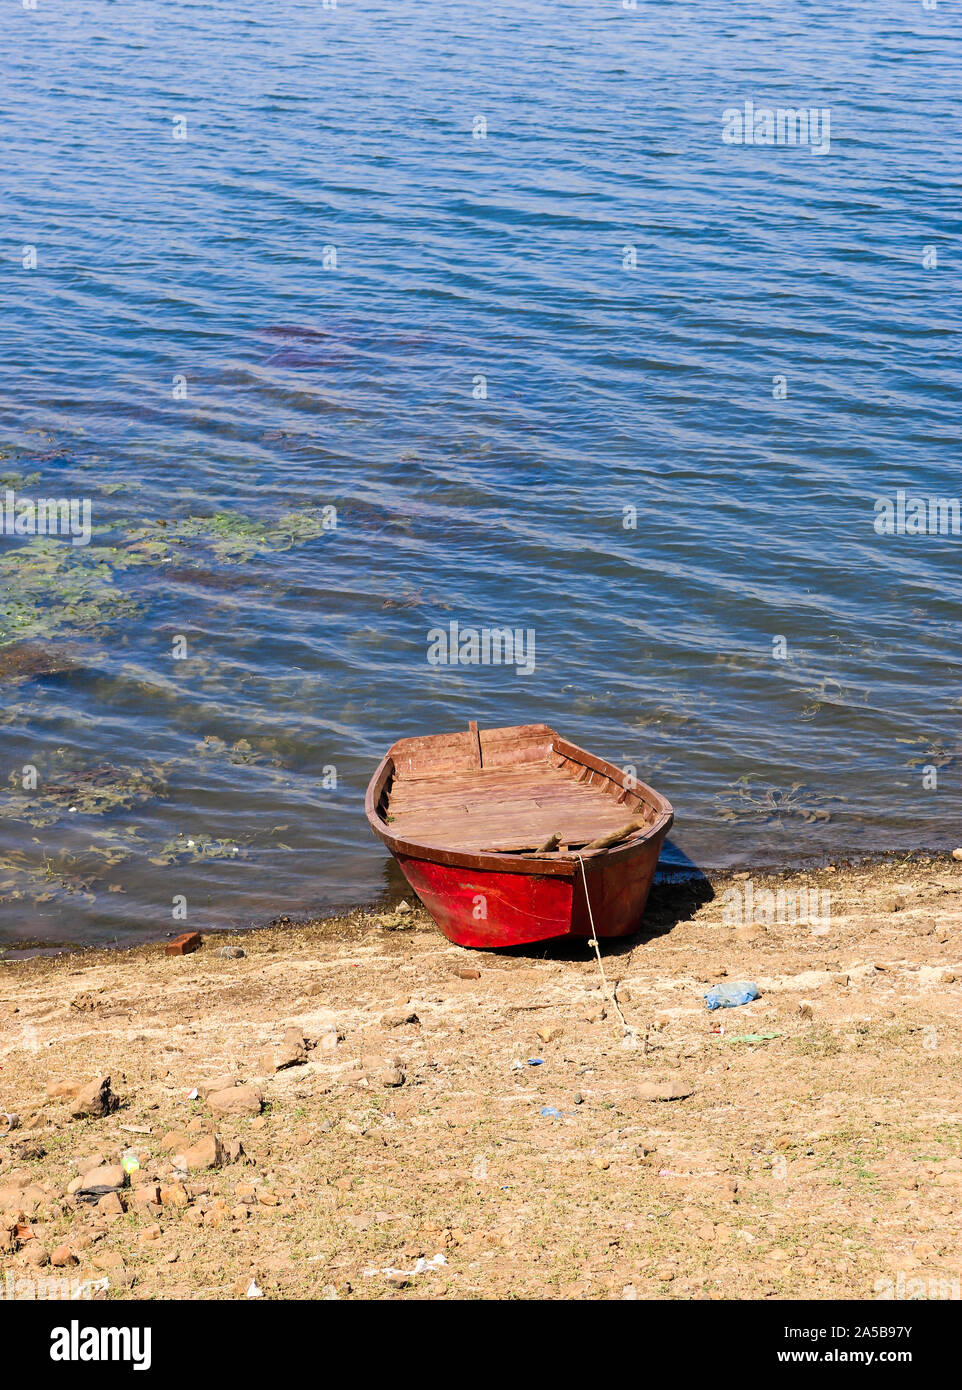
(98, 1182)
(208, 1152)
(236, 1100)
(94, 1100)
(397, 1018)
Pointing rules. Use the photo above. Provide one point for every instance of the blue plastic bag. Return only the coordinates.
(730, 996)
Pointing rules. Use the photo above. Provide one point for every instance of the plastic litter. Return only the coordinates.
(130, 1162)
(753, 1037)
(549, 1112)
(535, 1061)
(730, 996)
(8, 1121)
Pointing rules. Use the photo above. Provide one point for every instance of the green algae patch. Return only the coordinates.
(95, 791)
(233, 538)
(49, 586)
(22, 880)
(194, 849)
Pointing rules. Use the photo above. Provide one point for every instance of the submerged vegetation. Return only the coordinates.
(745, 804)
(92, 791)
(48, 587)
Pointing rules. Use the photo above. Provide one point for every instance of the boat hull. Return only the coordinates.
(467, 815)
(481, 908)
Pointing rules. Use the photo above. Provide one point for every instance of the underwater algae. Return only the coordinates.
(744, 804)
(94, 791)
(48, 587)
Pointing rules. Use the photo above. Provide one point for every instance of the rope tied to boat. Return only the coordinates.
(630, 1036)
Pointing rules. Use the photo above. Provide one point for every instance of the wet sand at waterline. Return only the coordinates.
(410, 1131)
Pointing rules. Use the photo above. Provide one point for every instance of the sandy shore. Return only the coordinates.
(822, 1157)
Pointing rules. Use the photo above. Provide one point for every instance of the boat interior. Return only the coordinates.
(516, 790)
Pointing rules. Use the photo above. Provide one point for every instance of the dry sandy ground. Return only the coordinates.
(825, 1161)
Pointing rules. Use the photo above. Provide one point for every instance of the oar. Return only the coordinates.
(613, 836)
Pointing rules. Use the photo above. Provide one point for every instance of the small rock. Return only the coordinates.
(35, 1255)
(957, 853)
(549, 1034)
(29, 1150)
(111, 1205)
(90, 1162)
(219, 1083)
(466, 973)
(389, 1075)
(101, 1182)
(840, 977)
(232, 953)
(63, 1257)
(150, 1233)
(663, 1090)
(236, 1100)
(593, 1013)
(176, 1141)
(805, 1008)
(292, 1051)
(206, 1153)
(175, 1195)
(94, 1100)
(397, 1018)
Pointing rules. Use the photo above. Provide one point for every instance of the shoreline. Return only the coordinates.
(389, 1136)
(666, 874)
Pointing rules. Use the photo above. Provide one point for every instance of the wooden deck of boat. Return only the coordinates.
(510, 808)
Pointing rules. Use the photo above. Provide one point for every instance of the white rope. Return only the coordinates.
(630, 1036)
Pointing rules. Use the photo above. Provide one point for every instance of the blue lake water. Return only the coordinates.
(489, 282)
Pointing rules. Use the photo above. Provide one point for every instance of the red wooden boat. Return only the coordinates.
(502, 832)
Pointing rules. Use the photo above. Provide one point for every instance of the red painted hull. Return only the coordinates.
(476, 907)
